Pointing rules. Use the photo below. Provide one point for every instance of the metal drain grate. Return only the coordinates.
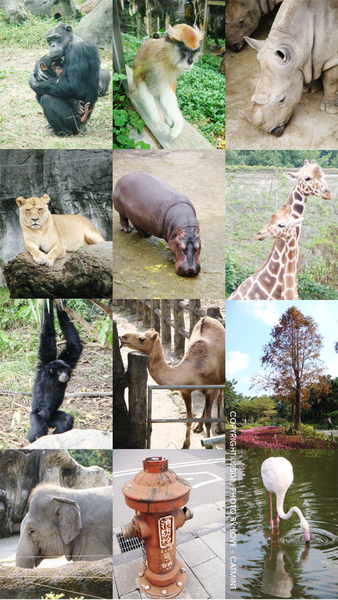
(127, 545)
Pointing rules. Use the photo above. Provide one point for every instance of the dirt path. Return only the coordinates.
(142, 266)
(309, 127)
(166, 404)
(22, 123)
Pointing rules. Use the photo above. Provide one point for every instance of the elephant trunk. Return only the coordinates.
(24, 562)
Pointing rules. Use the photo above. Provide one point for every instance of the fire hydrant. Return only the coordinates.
(156, 494)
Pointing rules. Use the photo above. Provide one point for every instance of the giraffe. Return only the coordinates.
(283, 227)
(267, 283)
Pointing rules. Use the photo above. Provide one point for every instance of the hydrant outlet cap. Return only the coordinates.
(155, 464)
(156, 489)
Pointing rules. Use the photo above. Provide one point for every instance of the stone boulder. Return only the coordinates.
(97, 25)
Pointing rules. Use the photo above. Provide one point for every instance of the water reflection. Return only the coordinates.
(282, 565)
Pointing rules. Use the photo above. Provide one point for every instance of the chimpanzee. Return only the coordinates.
(45, 69)
(79, 81)
(52, 375)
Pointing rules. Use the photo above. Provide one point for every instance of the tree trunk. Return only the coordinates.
(122, 437)
(297, 422)
(92, 579)
(86, 273)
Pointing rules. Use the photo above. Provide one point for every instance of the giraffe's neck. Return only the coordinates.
(297, 200)
(289, 291)
(267, 282)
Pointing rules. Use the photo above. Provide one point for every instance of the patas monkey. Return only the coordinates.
(157, 65)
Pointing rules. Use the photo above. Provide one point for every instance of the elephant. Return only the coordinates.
(66, 521)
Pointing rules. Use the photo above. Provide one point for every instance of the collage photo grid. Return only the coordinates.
(162, 161)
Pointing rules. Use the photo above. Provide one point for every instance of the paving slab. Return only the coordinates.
(211, 575)
(195, 552)
(126, 577)
(216, 542)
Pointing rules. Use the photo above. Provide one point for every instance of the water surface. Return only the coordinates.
(282, 565)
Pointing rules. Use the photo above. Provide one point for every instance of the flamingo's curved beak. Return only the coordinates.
(306, 535)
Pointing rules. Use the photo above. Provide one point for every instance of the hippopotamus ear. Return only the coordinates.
(256, 44)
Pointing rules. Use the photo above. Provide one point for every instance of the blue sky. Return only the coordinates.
(248, 327)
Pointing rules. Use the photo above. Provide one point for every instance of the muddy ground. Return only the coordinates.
(309, 127)
(22, 122)
(167, 404)
(142, 266)
(93, 373)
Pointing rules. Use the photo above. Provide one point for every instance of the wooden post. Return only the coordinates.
(146, 313)
(179, 339)
(194, 305)
(132, 308)
(155, 315)
(138, 378)
(139, 310)
(214, 311)
(165, 322)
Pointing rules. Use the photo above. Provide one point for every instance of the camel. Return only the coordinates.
(203, 363)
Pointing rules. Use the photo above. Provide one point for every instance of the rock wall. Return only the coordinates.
(77, 181)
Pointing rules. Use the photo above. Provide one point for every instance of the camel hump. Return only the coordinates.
(207, 326)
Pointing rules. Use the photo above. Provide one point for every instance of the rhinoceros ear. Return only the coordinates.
(256, 44)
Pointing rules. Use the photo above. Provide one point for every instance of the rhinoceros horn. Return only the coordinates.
(256, 44)
(253, 114)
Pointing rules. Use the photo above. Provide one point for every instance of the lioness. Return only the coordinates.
(48, 237)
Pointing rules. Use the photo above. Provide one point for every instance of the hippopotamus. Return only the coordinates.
(302, 46)
(156, 208)
(242, 17)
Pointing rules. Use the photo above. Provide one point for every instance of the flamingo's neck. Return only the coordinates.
(290, 512)
(293, 509)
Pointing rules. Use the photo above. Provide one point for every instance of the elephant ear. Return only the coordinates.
(68, 518)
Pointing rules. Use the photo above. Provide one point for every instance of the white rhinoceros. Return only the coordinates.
(242, 17)
(302, 47)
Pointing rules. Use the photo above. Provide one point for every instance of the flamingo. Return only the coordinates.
(277, 475)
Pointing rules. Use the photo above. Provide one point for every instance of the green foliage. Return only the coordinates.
(309, 289)
(124, 118)
(52, 596)
(201, 97)
(90, 458)
(30, 32)
(131, 45)
(234, 272)
(281, 158)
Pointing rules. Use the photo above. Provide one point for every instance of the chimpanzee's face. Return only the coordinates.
(58, 39)
(56, 48)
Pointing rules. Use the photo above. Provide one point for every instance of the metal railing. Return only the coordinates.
(185, 420)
